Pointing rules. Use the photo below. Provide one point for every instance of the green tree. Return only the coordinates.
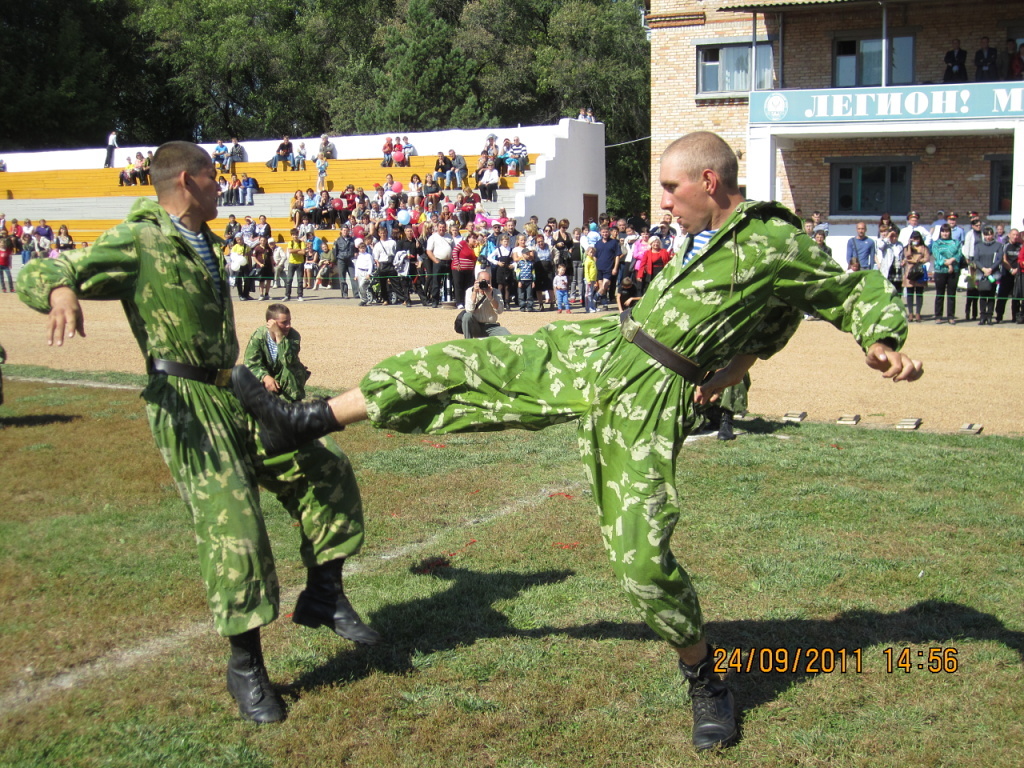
(427, 81)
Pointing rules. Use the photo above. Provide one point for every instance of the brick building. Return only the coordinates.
(840, 105)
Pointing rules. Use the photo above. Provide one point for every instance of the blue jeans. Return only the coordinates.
(280, 158)
(563, 299)
(526, 294)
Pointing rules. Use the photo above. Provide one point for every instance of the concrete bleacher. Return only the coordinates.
(66, 187)
(90, 201)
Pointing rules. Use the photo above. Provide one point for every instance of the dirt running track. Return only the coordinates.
(970, 371)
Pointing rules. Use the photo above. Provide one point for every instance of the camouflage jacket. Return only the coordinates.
(173, 307)
(747, 290)
(288, 371)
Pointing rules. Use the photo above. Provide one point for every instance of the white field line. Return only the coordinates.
(119, 660)
(70, 383)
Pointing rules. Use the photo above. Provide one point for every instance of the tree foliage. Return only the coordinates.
(210, 69)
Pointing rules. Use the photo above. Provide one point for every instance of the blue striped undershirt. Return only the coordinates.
(202, 247)
(697, 245)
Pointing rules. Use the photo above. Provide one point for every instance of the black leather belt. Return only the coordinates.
(667, 356)
(219, 377)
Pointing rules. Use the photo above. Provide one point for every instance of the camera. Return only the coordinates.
(483, 285)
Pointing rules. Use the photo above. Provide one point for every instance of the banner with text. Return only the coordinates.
(920, 102)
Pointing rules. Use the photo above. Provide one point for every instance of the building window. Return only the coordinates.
(726, 68)
(858, 61)
(1002, 185)
(870, 187)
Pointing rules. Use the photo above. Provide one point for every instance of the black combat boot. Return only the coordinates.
(725, 426)
(248, 681)
(283, 426)
(714, 712)
(323, 604)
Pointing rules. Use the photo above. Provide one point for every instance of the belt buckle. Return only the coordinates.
(222, 377)
(630, 327)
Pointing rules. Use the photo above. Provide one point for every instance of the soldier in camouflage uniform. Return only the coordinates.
(279, 368)
(736, 292)
(160, 263)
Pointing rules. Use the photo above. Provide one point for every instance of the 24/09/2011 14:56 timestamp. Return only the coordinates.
(828, 660)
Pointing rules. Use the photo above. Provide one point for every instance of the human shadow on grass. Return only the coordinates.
(931, 623)
(457, 616)
(37, 420)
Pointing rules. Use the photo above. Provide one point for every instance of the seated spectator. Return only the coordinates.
(398, 154)
(296, 207)
(387, 150)
(139, 171)
(311, 205)
(3, 166)
(284, 154)
(326, 215)
(410, 150)
(327, 148)
(442, 170)
(64, 240)
(43, 229)
(489, 183)
(220, 156)
(249, 187)
(458, 170)
(248, 233)
(223, 188)
(235, 193)
(300, 157)
(263, 228)
(127, 176)
(519, 158)
(236, 154)
(414, 190)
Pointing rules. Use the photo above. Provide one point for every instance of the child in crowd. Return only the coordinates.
(525, 274)
(309, 267)
(321, 172)
(627, 294)
(300, 157)
(560, 282)
(590, 279)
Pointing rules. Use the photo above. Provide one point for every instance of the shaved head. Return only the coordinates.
(174, 157)
(703, 150)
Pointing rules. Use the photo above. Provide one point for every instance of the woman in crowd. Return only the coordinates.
(262, 228)
(63, 240)
(295, 211)
(916, 259)
(947, 260)
(325, 210)
(653, 261)
(415, 190)
(223, 189)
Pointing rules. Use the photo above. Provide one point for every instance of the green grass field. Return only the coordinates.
(508, 643)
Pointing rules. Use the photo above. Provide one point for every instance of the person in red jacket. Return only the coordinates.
(463, 267)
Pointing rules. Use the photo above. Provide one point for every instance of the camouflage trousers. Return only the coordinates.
(633, 417)
(209, 445)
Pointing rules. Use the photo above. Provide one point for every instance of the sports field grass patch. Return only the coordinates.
(508, 641)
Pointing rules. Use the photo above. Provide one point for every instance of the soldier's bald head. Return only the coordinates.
(174, 157)
(702, 150)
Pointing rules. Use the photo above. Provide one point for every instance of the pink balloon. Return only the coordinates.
(397, 187)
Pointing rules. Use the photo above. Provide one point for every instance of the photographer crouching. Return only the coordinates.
(483, 305)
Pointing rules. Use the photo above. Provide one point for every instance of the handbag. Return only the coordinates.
(915, 273)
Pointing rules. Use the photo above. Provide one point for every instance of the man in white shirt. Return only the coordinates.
(914, 225)
(439, 252)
